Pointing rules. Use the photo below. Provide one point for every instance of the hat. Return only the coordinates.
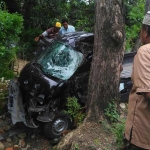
(146, 19)
(58, 25)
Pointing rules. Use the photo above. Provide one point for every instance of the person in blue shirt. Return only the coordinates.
(66, 28)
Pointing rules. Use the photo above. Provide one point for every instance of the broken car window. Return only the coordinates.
(60, 60)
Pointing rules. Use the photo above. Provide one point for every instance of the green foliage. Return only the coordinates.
(7, 73)
(111, 112)
(106, 126)
(76, 145)
(118, 130)
(43, 13)
(27, 43)
(81, 15)
(134, 17)
(10, 28)
(2, 5)
(40, 15)
(117, 124)
(74, 109)
(115, 128)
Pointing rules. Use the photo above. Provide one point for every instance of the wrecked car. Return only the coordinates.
(38, 96)
(40, 93)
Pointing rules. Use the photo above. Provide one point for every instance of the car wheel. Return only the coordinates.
(60, 123)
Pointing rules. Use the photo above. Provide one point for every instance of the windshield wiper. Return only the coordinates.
(38, 66)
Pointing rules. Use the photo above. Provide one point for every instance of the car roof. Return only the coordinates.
(81, 41)
(80, 36)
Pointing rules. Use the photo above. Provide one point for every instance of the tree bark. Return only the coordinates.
(109, 46)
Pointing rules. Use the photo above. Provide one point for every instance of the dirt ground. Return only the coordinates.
(94, 136)
(31, 139)
(91, 136)
(19, 64)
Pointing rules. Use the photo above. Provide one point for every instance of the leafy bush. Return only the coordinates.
(134, 17)
(111, 112)
(118, 130)
(10, 28)
(27, 43)
(81, 15)
(75, 110)
(117, 124)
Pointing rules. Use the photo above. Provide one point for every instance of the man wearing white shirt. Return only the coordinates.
(66, 28)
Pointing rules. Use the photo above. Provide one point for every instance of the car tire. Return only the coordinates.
(60, 123)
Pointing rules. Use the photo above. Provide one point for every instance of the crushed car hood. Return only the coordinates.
(32, 79)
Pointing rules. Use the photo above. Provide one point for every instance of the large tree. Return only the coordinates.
(108, 53)
(107, 57)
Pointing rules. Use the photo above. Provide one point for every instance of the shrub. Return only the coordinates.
(117, 124)
(111, 112)
(75, 110)
(134, 17)
(10, 28)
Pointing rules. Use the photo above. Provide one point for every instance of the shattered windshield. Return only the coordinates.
(60, 60)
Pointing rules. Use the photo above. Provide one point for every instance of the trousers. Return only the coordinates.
(130, 146)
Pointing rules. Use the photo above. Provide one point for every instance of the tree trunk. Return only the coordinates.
(147, 6)
(90, 1)
(28, 5)
(108, 54)
(14, 6)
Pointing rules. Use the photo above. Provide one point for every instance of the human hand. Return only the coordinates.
(37, 39)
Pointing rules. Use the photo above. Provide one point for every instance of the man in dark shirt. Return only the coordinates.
(51, 32)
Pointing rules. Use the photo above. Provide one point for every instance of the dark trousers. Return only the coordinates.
(129, 146)
(133, 148)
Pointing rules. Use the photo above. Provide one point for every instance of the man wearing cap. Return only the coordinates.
(137, 127)
(66, 28)
(51, 32)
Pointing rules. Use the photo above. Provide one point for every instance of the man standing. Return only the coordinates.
(137, 127)
(66, 28)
